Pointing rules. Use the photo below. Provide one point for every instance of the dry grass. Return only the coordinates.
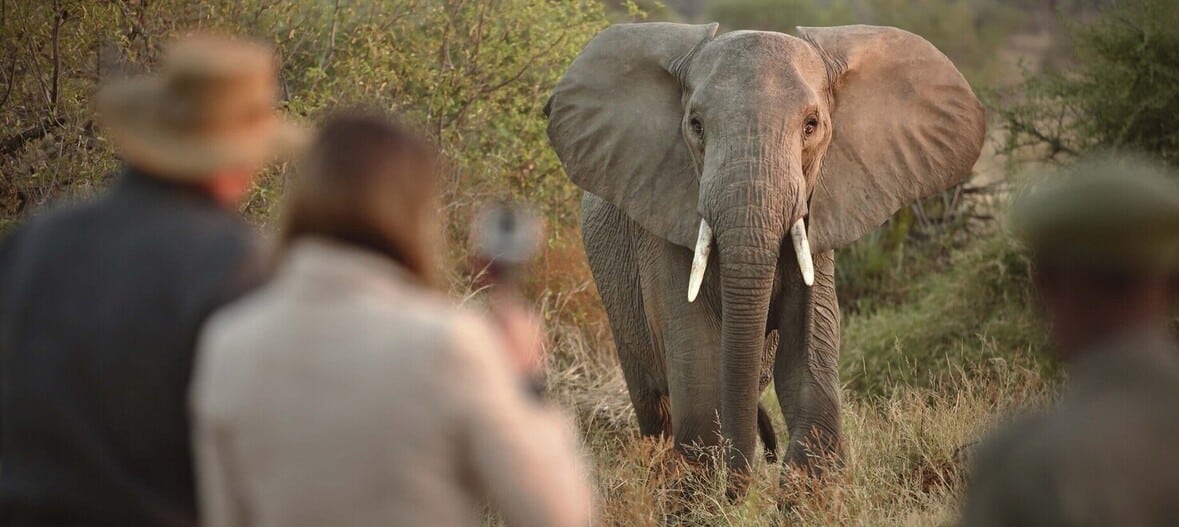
(907, 457)
(908, 448)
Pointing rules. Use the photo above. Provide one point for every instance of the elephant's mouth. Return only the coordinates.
(704, 239)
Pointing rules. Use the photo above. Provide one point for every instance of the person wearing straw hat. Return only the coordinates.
(1104, 243)
(101, 301)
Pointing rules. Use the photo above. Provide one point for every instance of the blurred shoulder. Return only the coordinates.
(1011, 475)
(212, 234)
(427, 312)
(228, 346)
(1021, 446)
(232, 331)
(50, 221)
(56, 228)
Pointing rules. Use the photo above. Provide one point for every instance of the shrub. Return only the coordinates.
(968, 31)
(472, 74)
(1121, 93)
(972, 320)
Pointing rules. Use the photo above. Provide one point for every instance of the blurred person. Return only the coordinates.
(1105, 248)
(349, 391)
(101, 301)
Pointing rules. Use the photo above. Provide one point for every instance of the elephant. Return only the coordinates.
(720, 172)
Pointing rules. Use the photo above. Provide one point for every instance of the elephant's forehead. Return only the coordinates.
(766, 59)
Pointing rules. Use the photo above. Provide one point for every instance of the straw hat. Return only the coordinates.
(211, 107)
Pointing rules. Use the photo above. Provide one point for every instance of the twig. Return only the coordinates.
(11, 81)
(919, 209)
(40, 74)
(487, 90)
(1056, 143)
(478, 36)
(327, 58)
(37, 131)
(55, 85)
(397, 17)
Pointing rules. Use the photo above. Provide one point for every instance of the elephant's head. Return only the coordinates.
(751, 138)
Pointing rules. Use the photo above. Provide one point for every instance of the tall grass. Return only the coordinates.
(923, 380)
(908, 447)
(972, 320)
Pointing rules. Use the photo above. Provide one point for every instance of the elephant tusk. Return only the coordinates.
(802, 249)
(700, 261)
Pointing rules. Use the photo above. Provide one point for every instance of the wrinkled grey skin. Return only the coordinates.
(664, 125)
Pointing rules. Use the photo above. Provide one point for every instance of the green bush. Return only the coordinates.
(879, 270)
(974, 319)
(1121, 93)
(471, 74)
(968, 31)
(779, 15)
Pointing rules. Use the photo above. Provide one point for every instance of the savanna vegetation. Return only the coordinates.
(940, 340)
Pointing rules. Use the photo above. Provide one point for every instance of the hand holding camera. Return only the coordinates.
(505, 238)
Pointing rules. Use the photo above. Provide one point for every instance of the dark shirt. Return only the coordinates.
(100, 308)
(1105, 454)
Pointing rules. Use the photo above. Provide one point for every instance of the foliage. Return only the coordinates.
(472, 74)
(968, 31)
(883, 267)
(972, 320)
(622, 11)
(1122, 93)
(779, 15)
(48, 148)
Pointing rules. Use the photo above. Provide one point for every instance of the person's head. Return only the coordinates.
(1104, 240)
(208, 119)
(370, 182)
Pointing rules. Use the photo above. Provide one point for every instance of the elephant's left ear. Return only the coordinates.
(905, 125)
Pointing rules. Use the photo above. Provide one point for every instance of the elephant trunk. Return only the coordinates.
(753, 214)
(747, 278)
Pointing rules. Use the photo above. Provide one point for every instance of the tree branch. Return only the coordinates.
(327, 58)
(55, 80)
(1056, 143)
(37, 131)
(11, 81)
(487, 90)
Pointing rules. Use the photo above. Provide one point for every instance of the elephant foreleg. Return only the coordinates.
(687, 335)
(806, 370)
(608, 236)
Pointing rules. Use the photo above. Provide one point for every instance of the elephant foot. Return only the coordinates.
(765, 430)
(801, 487)
(653, 410)
(691, 483)
(737, 486)
(816, 454)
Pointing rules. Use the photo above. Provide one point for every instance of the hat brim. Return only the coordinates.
(133, 124)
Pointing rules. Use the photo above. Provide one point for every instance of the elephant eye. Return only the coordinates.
(697, 126)
(811, 125)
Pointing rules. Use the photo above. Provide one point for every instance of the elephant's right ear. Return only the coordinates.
(615, 118)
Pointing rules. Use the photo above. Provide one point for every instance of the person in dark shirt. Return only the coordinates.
(101, 302)
(1104, 242)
